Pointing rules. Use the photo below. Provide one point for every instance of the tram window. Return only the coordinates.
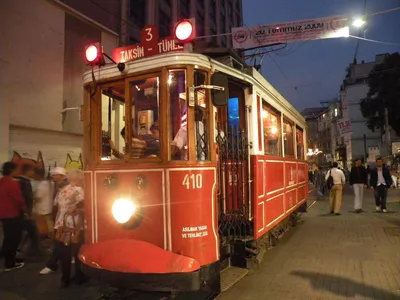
(272, 130)
(300, 143)
(201, 118)
(178, 114)
(288, 137)
(112, 122)
(145, 114)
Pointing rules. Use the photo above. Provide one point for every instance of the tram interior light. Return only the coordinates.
(185, 31)
(123, 210)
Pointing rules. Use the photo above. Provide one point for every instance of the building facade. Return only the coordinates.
(359, 140)
(42, 62)
(213, 18)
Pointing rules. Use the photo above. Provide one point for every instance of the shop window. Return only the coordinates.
(272, 130)
(112, 122)
(288, 137)
(300, 143)
(201, 118)
(178, 114)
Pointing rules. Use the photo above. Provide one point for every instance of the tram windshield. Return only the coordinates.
(133, 111)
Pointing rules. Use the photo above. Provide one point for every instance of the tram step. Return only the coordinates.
(230, 276)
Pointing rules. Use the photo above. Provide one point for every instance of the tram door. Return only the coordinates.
(233, 162)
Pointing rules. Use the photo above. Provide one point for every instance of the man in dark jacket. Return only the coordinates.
(358, 179)
(27, 172)
(381, 180)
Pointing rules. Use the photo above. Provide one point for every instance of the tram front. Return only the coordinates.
(150, 203)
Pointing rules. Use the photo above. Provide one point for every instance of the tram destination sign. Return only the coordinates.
(304, 30)
(150, 45)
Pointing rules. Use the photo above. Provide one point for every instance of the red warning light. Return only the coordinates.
(94, 55)
(91, 53)
(184, 30)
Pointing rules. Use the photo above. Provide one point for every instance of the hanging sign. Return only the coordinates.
(344, 126)
(305, 30)
(150, 45)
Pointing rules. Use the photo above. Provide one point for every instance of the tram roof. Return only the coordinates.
(208, 60)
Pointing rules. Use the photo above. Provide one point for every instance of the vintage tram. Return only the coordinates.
(191, 159)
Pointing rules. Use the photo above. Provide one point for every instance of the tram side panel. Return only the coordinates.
(192, 213)
(279, 188)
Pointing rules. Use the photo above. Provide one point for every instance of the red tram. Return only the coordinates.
(191, 160)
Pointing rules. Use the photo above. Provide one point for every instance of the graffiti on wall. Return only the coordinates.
(40, 166)
(71, 164)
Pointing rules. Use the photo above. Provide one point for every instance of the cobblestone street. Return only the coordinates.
(352, 256)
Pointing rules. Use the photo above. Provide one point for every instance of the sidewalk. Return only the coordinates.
(352, 256)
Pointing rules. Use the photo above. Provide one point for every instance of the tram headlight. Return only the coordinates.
(123, 210)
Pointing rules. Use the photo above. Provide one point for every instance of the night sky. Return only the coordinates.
(317, 68)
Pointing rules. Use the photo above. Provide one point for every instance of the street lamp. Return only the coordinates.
(359, 22)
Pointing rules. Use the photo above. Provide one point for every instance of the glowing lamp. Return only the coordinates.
(185, 31)
(91, 53)
(94, 55)
(123, 210)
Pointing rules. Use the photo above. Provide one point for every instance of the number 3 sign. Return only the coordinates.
(149, 39)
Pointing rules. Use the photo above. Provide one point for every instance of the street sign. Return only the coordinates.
(150, 45)
(305, 30)
(344, 126)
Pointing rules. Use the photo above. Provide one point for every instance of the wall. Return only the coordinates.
(44, 62)
(47, 148)
(34, 51)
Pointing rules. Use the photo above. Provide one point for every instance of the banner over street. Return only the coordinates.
(304, 30)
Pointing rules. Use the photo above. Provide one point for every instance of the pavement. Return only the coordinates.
(351, 256)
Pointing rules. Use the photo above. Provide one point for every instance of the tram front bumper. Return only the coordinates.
(138, 265)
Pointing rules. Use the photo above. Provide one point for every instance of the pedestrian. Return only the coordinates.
(368, 169)
(336, 193)
(58, 176)
(319, 183)
(12, 210)
(358, 180)
(44, 203)
(29, 225)
(381, 180)
(69, 225)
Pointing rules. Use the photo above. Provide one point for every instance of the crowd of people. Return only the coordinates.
(57, 200)
(360, 177)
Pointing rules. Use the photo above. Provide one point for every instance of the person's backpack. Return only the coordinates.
(329, 181)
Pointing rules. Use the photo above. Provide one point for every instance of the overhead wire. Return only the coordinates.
(374, 41)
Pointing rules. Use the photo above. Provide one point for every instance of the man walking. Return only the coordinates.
(381, 180)
(358, 179)
(336, 192)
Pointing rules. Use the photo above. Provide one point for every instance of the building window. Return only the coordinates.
(300, 144)
(222, 7)
(138, 12)
(222, 24)
(288, 137)
(185, 8)
(212, 10)
(133, 41)
(272, 130)
(164, 24)
(200, 24)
